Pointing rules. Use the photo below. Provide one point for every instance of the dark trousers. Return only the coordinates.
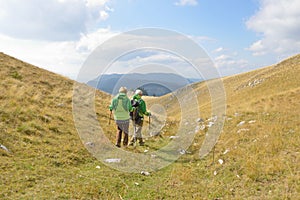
(123, 126)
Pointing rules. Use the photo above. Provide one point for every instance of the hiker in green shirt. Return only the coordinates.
(138, 116)
(121, 106)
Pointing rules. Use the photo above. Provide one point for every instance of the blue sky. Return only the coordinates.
(238, 35)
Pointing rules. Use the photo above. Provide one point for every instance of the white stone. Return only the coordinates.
(113, 160)
(221, 161)
(241, 123)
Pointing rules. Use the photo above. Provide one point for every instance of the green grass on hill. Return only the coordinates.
(47, 160)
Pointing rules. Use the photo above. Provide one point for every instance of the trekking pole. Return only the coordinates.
(109, 117)
(149, 122)
(134, 133)
(213, 155)
(133, 139)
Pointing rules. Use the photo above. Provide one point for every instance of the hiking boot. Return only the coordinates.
(130, 144)
(142, 143)
(118, 145)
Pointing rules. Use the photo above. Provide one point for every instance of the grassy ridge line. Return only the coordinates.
(50, 162)
(266, 151)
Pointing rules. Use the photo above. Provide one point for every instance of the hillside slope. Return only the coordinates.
(259, 145)
(38, 131)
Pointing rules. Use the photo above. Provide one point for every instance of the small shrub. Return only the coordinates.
(16, 75)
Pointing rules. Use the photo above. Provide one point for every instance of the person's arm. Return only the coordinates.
(144, 109)
(129, 106)
(111, 107)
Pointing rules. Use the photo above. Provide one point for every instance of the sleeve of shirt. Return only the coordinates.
(143, 107)
(129, 106)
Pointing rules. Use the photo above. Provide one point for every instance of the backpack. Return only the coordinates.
(134, 115)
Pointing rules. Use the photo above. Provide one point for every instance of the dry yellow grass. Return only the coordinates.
(48, 160)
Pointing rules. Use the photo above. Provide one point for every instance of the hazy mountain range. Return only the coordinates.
(155, 84)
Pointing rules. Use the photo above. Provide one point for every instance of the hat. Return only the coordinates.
(123, 90)
(140, 92)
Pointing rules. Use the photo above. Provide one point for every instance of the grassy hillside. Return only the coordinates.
(259, 145)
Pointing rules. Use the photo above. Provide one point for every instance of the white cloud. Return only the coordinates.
(279, 25)
(50, 20)
(186, 3)
(103, 15)
(222, 58)
(218, 50)
(258, 48)
(230, 63)
(160, 58)
(64, 58)
(96, 3)
(109, 9)
(67, 57)
(148, 61)
(91, 41)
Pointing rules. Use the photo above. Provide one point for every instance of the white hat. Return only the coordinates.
(140, 92)
(123, 90)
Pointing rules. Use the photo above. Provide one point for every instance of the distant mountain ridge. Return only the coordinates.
(155, 84)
